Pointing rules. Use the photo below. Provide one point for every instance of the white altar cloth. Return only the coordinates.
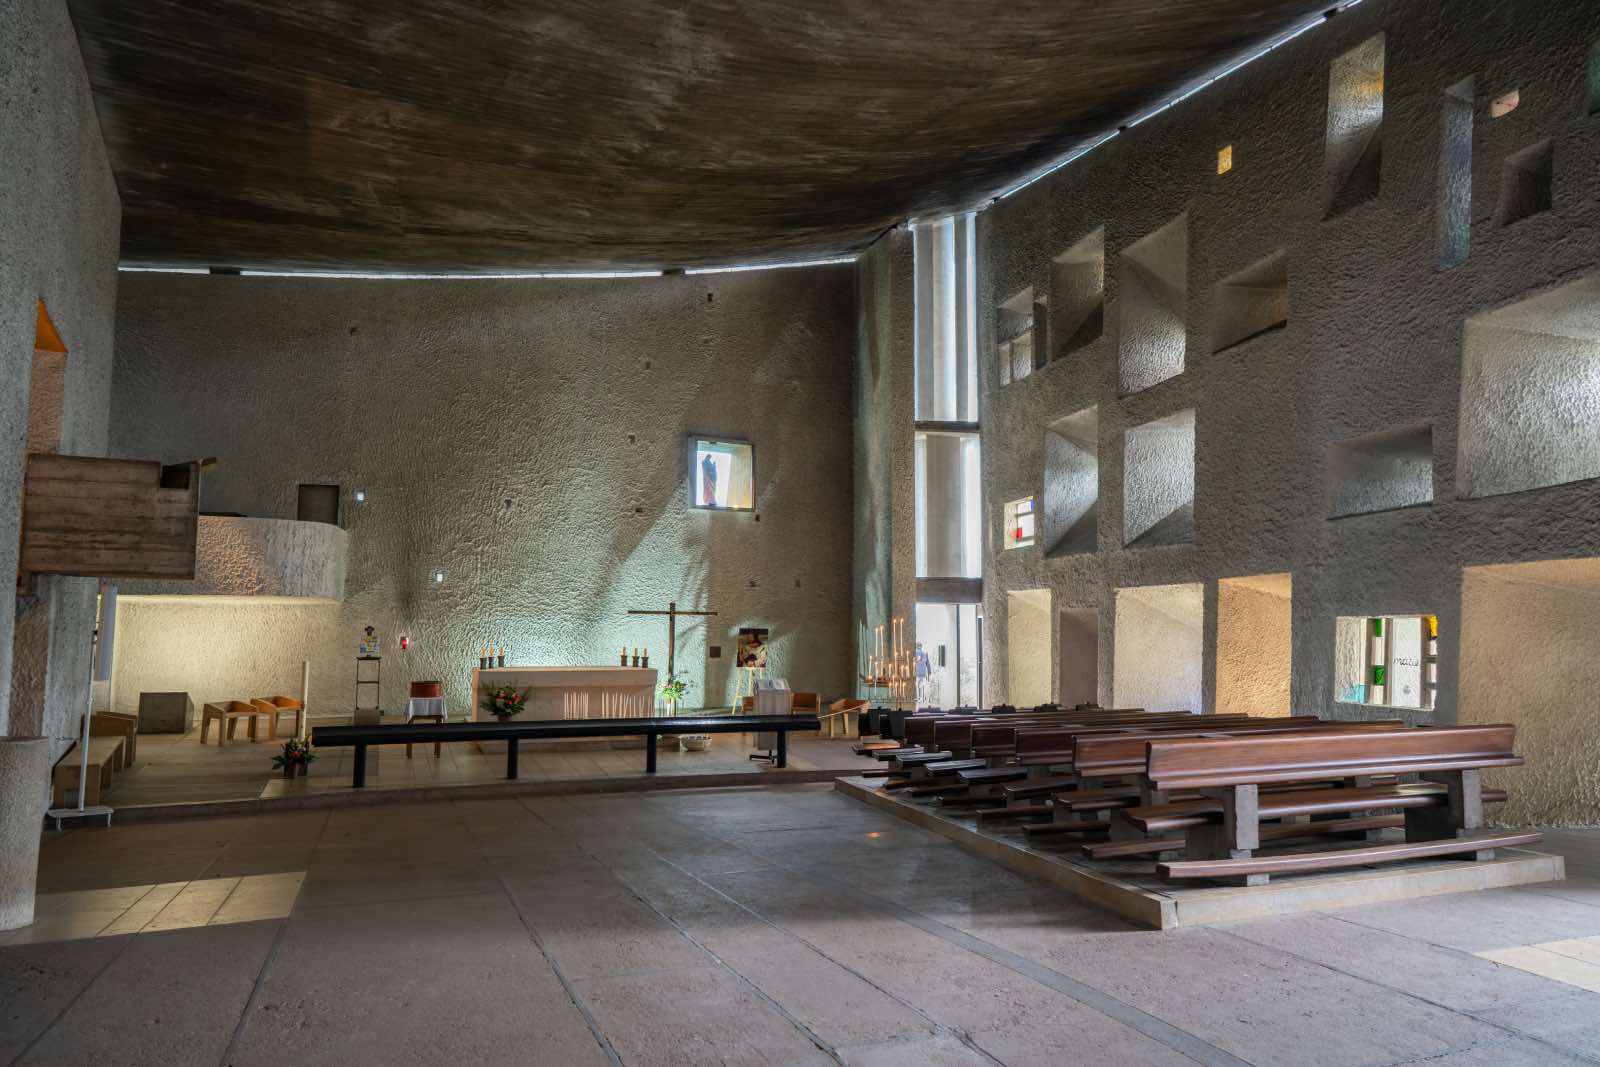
(572, 692)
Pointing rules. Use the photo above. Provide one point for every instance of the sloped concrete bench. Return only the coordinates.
(359, 737)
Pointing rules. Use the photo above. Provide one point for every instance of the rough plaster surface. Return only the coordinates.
(1527, 658)
(1254, 619)
(24, 762)
(885, 545)
(1158, 481)
(1374, 343)
(1530, 393)
(1028, 624)
(1380, 471)
(251, 557)
(1158, 647)
(1071, 483)
(1154, 307)
(526, 439)
(59, 221)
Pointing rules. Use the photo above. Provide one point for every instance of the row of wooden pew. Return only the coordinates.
(1203, 796)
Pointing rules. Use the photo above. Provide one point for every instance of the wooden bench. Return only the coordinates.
(1443, 812)
(105, 756)
(1107, 768)
(272, 708)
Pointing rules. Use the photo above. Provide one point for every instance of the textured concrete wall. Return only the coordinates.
(1527, 658)
(526, 439)
(1373, 343)
(1028, 636)
(59, 221)
(1254, 648)
(885, 547)
(1158, 663)
(248, 557)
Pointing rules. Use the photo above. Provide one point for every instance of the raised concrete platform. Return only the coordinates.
(1132, 890)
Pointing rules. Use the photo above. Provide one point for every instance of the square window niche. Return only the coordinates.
(1354, 161)
(1157, 656)
(1530, 393)
(1526, 183)
(1078, 294)
(1252, 302)
(1014, 337)
(721, 474)
(1072, 483)
(1020, 523)
(1255, 623)
(1154, 277)
(1158, 482)
(1381, 472)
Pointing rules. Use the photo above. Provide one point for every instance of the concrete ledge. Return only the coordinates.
(1167, 906)
(262, 560)
(373, 794)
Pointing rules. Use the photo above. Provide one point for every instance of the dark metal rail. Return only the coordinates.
(359, 737)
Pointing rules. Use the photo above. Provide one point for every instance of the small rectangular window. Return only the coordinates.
(722, 475)
(1387, 660)
(1020, 523)
(1225, 159)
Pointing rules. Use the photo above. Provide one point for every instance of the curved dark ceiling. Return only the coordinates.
(474, 135)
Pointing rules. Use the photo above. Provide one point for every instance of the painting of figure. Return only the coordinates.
(753, 648)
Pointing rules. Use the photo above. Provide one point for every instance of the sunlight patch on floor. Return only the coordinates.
(164, 906)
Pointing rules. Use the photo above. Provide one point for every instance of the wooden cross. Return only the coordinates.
(672, 614)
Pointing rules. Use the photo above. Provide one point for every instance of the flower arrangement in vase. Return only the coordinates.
(672, 690)
(296, 757)
(505, 701)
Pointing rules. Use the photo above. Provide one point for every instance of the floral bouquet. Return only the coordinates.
(296, 757)
(505, 701)
(673, 688)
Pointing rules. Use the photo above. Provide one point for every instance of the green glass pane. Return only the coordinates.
(1377, 675)
(1377, 627)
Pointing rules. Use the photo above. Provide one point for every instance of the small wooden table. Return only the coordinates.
(425, 718)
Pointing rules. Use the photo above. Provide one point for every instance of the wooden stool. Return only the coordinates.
(230, 713)
(272, 707)
(425, 718)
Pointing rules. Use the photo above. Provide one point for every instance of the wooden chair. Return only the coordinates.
(230, 712)
(843, 715)
(272, 707)
(420, 691)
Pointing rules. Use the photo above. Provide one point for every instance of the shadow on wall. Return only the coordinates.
(1527, 658)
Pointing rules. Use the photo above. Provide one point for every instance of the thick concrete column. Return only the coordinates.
(24, 768)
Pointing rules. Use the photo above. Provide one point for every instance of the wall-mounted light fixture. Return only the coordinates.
(361, 496)
(438, 577)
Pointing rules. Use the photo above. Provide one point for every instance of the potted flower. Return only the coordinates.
(672, 690)
(505, 701)
(296, 757)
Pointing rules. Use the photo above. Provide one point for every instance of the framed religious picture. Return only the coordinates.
(752, 648)
(721, 474)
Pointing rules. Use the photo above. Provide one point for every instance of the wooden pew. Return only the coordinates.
(1443, 812)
